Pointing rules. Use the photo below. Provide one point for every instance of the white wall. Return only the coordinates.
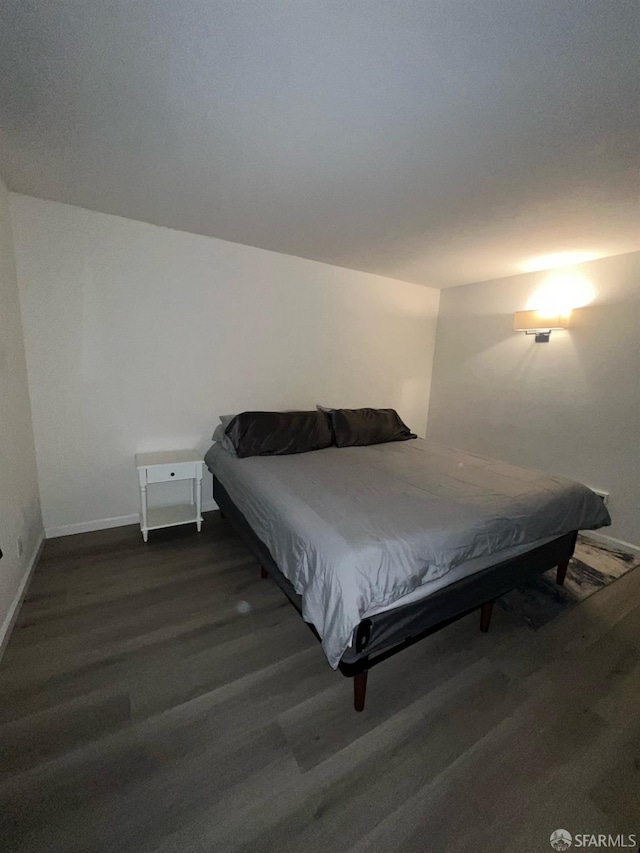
(138, 337)
(19, 499)
(571, 406)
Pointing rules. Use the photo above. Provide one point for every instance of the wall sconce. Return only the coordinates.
(540, 323)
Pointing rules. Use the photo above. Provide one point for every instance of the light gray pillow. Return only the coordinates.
(221, 437)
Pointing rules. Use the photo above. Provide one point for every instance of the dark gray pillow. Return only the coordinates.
(223, 440)
(279, 433)
(361, 427)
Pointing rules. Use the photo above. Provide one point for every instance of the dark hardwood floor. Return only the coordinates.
(163, 697)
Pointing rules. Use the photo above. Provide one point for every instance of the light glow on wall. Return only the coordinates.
(560, 292)
(561, 259)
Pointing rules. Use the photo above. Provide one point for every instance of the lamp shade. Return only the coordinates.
(539, 321)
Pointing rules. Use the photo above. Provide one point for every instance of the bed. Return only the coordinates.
(380, 546)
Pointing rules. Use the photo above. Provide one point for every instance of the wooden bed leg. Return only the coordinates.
(561, 573)
(263, 572)
(359, 690)
(485, 616)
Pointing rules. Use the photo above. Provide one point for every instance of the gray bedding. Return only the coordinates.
(355, 528)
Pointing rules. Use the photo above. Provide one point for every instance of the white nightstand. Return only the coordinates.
(163, 468)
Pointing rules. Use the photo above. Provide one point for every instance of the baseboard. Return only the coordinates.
(12, 615)
(90, 526)
(104, 523)
(610, 540)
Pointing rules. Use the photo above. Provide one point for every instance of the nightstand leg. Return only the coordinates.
(198, 490)
(143, 505)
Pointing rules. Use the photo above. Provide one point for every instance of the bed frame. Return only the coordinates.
(385, 634)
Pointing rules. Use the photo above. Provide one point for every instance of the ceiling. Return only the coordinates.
(435, 141)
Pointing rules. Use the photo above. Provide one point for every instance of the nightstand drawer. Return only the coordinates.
(178, 471)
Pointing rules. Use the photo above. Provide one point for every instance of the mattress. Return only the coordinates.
(359, 528)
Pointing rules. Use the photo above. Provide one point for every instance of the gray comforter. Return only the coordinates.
(358, 527)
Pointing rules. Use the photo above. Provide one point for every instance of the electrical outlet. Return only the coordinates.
(19, 546)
